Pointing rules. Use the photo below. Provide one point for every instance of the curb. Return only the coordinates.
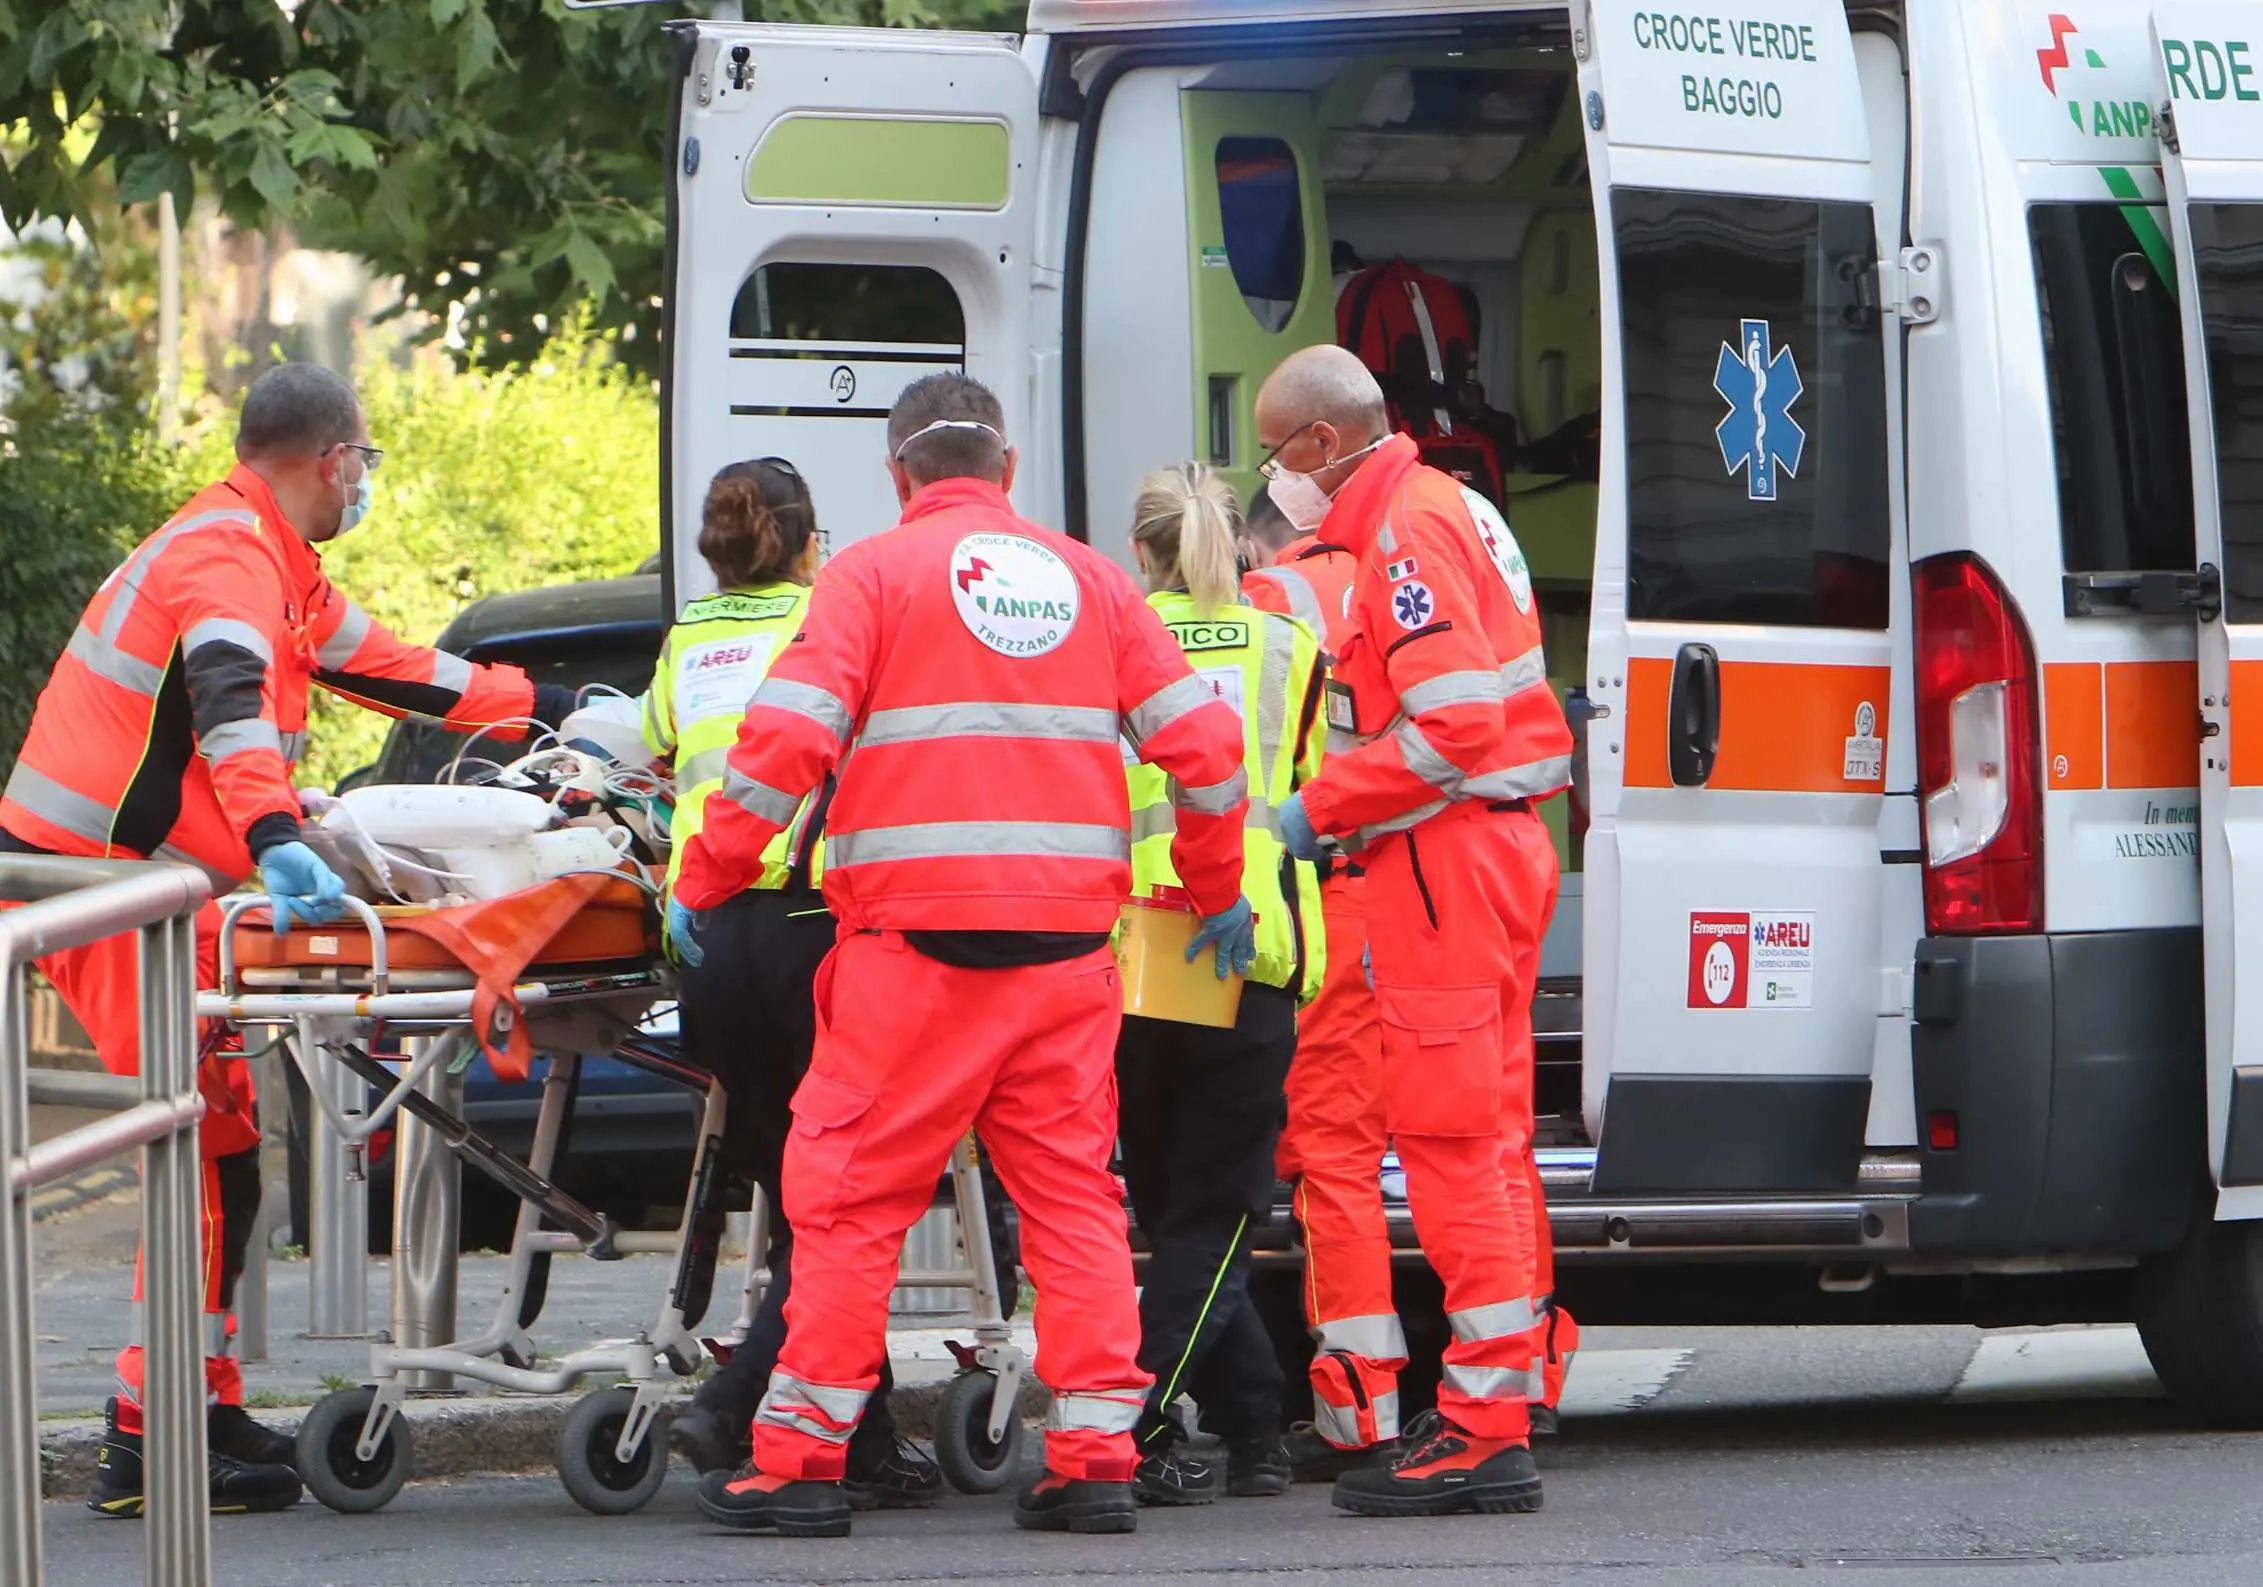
(80, 1190)
(464, 1437)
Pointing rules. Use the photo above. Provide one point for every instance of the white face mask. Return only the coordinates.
(1303, 503)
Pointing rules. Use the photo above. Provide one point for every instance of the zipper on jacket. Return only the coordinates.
(1421, 883)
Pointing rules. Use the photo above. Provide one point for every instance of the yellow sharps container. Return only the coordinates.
(1151, 943)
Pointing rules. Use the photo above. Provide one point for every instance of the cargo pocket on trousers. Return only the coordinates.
(1441, 1059)
(830, 1119)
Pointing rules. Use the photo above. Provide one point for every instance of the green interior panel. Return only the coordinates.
(927, 163)
(1233, 350)
(1554, 521)
(1560, 330)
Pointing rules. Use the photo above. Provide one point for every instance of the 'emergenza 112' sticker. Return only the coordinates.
(1743, 960)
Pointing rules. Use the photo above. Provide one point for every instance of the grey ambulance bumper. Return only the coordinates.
(2073, 1065)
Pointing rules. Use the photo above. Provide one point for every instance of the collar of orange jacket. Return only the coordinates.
(244, 480)
(1365, 499)
(947, 493)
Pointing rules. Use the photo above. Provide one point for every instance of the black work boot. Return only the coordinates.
(238, 1488)
(1076, 1504)
(1313, 1459)
(896, 1475)
(716, 1431)
(748, 1501)
(229, 1430)
(1442, 1469)
(1257, 1465)
(1172, 1474)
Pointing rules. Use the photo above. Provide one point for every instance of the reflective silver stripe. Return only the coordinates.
(805, 699)
(656, 735)
(1075, 724)
(1536, 1381)
(1165, 706)
(1503, 1319)
(294, 745)
(708, 765)
(1533, 780)
(1273, 665)
(1426, 763)
(1378, 1337)
(758, 799)
(1486, 1383)
(129, 572)
(222, 882)
(59, 806)
(1342, 743)
(1159, 821)
(1339, 1424)
(236, 738)
(1452, 688)
(227, 631)
(106, 660)
(1211, 799)
(1386, 1408)
(1386, 539)
(1527, 671)
(1304, 600)
(1100, 1411)
(344, 640)
(816, 1410)
(1368, 836)
(219, 1340)
(452, 673)
(950, 840)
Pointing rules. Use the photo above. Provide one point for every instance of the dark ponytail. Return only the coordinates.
(756, 524)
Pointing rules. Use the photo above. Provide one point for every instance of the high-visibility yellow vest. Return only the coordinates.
(1267, 667)
(710, 665)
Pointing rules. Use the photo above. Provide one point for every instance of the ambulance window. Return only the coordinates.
(848, 303)
(2227, 242)
(1755, 410)
(2114, 354)
(1261, 212)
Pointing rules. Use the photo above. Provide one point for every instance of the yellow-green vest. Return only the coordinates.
(1267, 666)
(710, 665)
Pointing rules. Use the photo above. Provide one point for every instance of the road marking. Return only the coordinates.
(2062, 1364)
(1603, 1382)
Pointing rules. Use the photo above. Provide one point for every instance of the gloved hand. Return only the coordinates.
(679, 935)
(1367, 965)
(1297, 835)
(1233, 933)
(298, 883)
(553, 703)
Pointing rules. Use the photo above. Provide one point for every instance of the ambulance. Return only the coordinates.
(1908, 960)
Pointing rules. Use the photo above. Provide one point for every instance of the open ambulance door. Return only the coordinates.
(853, 208)
(2210, 64)
(1739, 648)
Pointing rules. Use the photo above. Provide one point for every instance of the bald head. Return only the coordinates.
(1322, 385)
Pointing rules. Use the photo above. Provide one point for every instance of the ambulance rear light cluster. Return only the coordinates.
(1978, 752)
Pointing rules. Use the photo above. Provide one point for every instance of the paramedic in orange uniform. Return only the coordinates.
(977, 678)
(1442, 686)
(169, 730)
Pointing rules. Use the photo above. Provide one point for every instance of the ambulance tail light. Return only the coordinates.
(1978, 752)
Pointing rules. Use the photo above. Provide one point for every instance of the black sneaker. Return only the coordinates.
(1442, 1469)
(902, 1478)
(748, 1501)
(229, 1430)
(1174, 1474)
(1313, 1459)
(710, 1440)
(237, 1488)
(1257, 1467)
(1076, 1504)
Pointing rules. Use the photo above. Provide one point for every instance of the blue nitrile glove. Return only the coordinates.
(680, 934)
(1367, 965)
(298, 883)
(1297, 835)
(1233, 932)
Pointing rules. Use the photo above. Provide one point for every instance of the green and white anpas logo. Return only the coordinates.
(2070, 72)
(1015, 595)
(1502, 547)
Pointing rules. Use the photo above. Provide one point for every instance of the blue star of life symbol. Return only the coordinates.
(1411, 605)
(1759, 434)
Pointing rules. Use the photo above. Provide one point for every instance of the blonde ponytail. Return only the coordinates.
(1188, 520)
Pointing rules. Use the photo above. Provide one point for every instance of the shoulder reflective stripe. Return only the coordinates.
(1485, 1383)
(709, 765)
(1211, 799)
(59, 806)
(229, 631)
(129, 573)
(344, 640)
(759, 799)
(293, 745)
(105, 660)
(1076, 724)
(1101, 1411)
(236, 738)
(1451, 688)
(1503, 1319)
(1526, 671)
(452, 673)
(1165, 706)
(821, 706)
(1378, 1337)
(950, 840)
(1426, 763)
(1533, 780)
(1304, 601)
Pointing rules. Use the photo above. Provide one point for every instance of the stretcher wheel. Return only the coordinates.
(597, 1478)
(332, 1471)
(971, 1460)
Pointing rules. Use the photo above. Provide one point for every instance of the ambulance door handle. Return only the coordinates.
(1693, 715)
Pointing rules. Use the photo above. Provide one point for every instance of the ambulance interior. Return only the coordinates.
(1293, 175)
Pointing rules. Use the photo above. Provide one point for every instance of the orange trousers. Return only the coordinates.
(911, 1053)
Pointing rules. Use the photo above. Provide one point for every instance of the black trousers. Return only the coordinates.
(1201, 1111)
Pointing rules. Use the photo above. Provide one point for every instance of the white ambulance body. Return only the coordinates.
(1878, 987)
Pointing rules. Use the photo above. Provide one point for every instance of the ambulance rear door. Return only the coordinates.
(852, 208)
(2210, 61)
(1740, 645)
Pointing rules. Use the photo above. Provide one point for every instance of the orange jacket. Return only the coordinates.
(171, 724)
(1442, 682)
(978, 678)
(1311, 580)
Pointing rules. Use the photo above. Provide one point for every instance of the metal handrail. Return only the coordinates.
(69, 903)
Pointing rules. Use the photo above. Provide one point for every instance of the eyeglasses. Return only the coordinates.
(371, 456)
(1269, 469)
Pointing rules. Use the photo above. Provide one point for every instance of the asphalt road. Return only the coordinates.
(1717, 1457)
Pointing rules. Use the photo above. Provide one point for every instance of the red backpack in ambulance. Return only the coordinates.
(1418, 333)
